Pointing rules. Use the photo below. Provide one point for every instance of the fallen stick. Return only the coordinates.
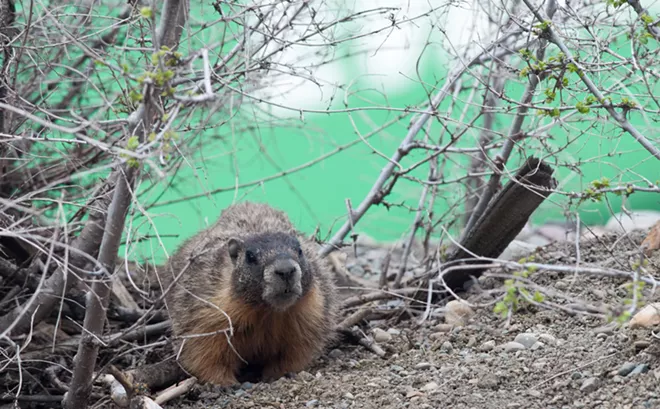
(175, 391)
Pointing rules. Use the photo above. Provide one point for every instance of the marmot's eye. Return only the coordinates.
(250, 257)
(300, 251)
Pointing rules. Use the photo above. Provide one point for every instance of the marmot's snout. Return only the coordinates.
(282, 282)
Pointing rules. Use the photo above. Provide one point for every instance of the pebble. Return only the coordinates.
(642, 344)
(239, 393)
(312, 403)
(436, 336)
(393, 331)
(396, 368)
(487, 346)
(446, 347)
(513, 346)
(589, 385)
(548, 339)
(430, 387)
(561, 285)
(412, 392)
(458, 313)
(640, 369)
(488, 382)
(626, 368)
(336, 353)
(306, 376)
(349, 395)
(247, 385)
(423, 365)
(526, 339)
(443, 328)
(381, 336)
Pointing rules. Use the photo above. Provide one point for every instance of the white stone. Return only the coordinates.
(639, 219)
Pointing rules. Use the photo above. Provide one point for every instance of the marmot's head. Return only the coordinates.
(269, 268)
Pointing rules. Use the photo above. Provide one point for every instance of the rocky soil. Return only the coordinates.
(551, 356)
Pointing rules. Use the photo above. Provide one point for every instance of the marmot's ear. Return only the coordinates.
(234, 247)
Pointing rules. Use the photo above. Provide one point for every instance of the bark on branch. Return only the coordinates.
(97, 302)
(504, 218)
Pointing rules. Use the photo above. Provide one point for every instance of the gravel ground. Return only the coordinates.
(541, 358)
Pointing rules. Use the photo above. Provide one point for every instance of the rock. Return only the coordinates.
(396, 368)
(516, 250)
(446, 347)
(312, 403)
(247, 385)
(626, 368)
(593, 232)
(423, 366)
(488, 381)
(652, 241)
(457, 313)
(487, 346)
(561, 285)
(412, 392)
(537, 345)
(640, 369)
(437, 336)
(306, 376)
(526, 339)
(393, 331)
(349, 395)
(443, 327)
(538, 240)
(430, 387)
(548, 339)
(357, 270)
(513, 346)
(557, 232)
(589, 385)
(637, 220)
(647, 317)
(641, 344)
(240, 393)
(381, 336)
(336, 353)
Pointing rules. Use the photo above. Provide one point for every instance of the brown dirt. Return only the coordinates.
(434, 366)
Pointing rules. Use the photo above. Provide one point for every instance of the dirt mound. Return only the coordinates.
(543, 358)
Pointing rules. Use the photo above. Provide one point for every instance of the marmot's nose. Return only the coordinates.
(285, 268)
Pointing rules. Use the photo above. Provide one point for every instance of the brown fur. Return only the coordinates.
(279, 341)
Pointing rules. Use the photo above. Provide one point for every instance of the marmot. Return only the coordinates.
(254, 269)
